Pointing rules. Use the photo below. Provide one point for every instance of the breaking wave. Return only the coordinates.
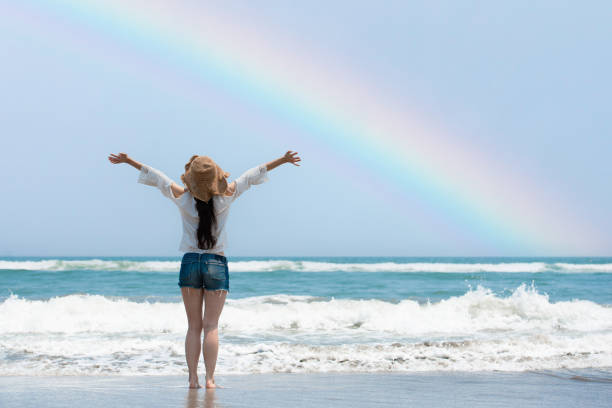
(92, 334)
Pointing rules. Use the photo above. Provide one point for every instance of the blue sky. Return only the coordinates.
(526, 82)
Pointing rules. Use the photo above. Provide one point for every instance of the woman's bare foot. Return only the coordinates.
(211, 384)
(193, 382)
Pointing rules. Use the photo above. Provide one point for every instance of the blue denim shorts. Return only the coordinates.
(204, 271)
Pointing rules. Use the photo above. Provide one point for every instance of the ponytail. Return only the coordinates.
(208, 221)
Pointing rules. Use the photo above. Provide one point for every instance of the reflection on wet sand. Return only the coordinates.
(198, 398)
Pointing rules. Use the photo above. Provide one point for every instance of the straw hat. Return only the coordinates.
(204, 178)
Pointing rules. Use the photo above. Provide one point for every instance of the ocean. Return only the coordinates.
(124, 315)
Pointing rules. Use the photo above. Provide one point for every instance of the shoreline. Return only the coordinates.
(561, 388)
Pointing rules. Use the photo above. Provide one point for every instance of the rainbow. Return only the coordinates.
(341, 113)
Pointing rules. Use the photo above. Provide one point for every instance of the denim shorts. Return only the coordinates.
(204, 271)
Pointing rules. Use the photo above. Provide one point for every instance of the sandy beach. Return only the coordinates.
(534, 389)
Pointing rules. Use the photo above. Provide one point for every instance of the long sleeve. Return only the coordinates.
(256, 175)
(153, 177)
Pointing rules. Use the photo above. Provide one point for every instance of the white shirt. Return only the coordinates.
(186, 205)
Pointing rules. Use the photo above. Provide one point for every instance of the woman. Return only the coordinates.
(204, 206)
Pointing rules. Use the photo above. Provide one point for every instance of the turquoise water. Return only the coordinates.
(111, 315)
(138, 283)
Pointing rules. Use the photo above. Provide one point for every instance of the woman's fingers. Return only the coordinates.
(293, 157)
(114, 159)
(117, 158)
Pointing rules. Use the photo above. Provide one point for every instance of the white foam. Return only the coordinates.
(91, 264)
(92, 334)
(309, 266)
(536, 352)
(312, 266)
(164, 355)
(583, 267)
(476, 311)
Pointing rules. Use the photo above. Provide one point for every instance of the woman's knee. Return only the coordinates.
(195, 327)
(210, 325)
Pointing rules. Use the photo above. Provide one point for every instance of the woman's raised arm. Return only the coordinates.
(124, 158)
(258, 175)
(289, 157)
(150, 176)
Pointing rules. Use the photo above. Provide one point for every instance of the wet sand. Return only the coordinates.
(534, 389)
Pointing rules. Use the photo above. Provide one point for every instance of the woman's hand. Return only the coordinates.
(118, 158)
(124, 158)
(291, 157)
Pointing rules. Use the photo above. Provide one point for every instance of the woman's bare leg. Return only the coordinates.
(192, 298)
(213, 305)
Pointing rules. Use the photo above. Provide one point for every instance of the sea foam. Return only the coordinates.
(478, 310)
(91, 334)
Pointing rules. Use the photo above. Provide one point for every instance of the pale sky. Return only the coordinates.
(528, 83)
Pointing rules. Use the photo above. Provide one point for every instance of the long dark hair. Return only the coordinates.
(208, 220)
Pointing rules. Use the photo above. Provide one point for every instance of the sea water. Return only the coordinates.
(106, 315)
